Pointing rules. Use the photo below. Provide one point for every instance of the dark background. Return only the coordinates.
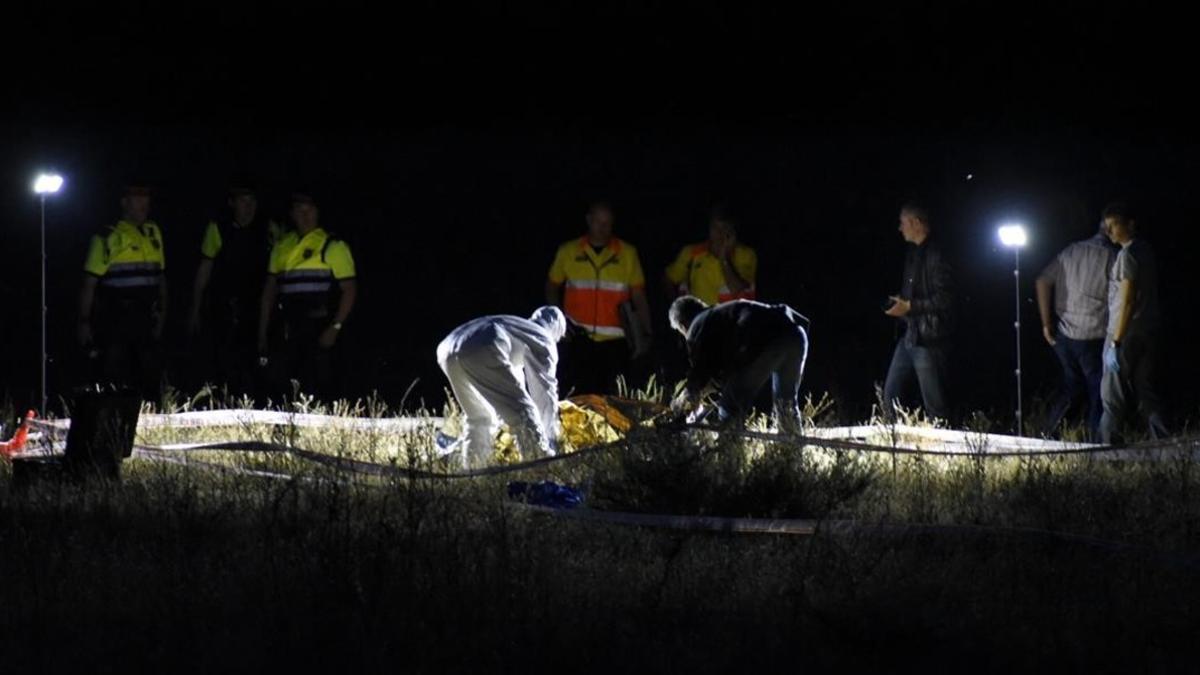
(456, 151)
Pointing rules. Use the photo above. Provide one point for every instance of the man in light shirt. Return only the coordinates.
(1131, 340)
(1072, 297)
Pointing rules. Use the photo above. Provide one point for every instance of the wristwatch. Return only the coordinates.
(336, 325)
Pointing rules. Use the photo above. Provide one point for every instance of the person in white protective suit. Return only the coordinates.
(504, 366)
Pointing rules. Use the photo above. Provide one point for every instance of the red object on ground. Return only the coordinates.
(17, 443)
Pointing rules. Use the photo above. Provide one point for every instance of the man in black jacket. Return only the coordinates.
(925, 305)
(739, 345)
(227, 290)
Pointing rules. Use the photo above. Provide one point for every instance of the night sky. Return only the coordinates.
(455, 151)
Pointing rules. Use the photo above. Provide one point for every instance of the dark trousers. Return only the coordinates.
(928, 368)
(127, 353)
(229, 351)
(1132, 389)
(1082, 368)
(782, 362)
(297, 356)
(592, 367)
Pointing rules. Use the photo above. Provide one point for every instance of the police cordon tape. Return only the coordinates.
(1120, 452)
(242, 417)
(810, 527)
(1152, 449)
(973, 443)
(192, 462)
(718, 524)
(370, 468)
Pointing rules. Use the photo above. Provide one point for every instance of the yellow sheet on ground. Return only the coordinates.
(581, 428)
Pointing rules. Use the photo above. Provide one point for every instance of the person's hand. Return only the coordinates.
(83, 333)
(1048, 333)
(575, 331)
(724, 246)
(900, 307)
(328, 337)
(1112, 358)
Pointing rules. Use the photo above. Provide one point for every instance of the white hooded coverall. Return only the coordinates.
(505, 366)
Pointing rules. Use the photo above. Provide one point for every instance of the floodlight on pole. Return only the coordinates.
(45, 184)
(1014, 236)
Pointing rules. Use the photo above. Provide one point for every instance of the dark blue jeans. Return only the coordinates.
(1082, 368)
(1133, 389)
(925, 366)
(781, 362)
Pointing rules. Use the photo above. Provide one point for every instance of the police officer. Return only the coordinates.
(123, 301)
(308, 295)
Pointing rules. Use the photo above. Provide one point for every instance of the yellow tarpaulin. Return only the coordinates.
(581, 427)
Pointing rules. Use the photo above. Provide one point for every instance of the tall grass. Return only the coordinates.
(953, 562)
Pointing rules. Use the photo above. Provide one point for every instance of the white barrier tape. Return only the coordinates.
(184, 460)
(905, 436)
(370, 468)
(808, 527)
(1153, 449)
(967, 440)
(246, 417)
(947, 441)
(689, 523)
(48, 449)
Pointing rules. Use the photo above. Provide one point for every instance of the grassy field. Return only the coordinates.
(970, 564)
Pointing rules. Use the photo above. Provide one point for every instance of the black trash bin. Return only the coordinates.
(103, 424)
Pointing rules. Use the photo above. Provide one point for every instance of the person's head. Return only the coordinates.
(914, 223)
(135, 204)
(721, 226)
(243, 203)
(683, 311)
(552, 319)
(1119, 223)
(599, 223)
(304, 211)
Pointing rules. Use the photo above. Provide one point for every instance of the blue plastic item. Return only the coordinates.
(545, 493)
